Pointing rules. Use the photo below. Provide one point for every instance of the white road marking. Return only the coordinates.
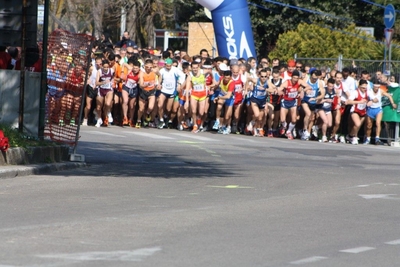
(103, 133)
(394, 242)
(121, 255)
(379, 196)
(357, 250)
(149, 135)
(195, 136)
(308, 260)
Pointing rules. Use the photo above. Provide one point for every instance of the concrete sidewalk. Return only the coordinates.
(12, 171)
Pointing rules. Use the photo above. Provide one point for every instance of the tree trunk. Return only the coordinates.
(72, 15)
(98, 12)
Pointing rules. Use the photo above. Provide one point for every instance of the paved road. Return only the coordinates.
(154, 197)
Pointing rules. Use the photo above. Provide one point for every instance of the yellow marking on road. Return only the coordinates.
(190, 142)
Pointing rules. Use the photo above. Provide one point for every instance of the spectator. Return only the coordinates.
(33, 62)
(5, 59)
(14, 53)
(126, 41)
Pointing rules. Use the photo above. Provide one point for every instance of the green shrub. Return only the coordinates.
(17, 139)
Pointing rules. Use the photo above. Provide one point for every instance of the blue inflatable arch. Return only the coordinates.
(232, 27)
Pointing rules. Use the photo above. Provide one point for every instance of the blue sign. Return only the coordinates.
(232, 26)
(389, 16)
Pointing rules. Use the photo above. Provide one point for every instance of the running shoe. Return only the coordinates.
(270, 133)
(195, 129)
(282, 131)
(110, 117)
(261, 132)
(221, 130)
(314, 131)
(99, 122)
(105, 122)
(367, 141)
(170, 124)
(342, 139)
(152, 125)
(96, 117)
(324, 139)
(184, 125)
(227, 130)
(333, 140)
(180, 127)
(294, 133)
(138, 124)
(161, 124)
(131, 124)
(250, 126)
(354, 141)
(234, 128)
(348, 139)
(216, 125)
(289, 135)
(148, 118)
(125, 122)
(255, 133)
(305, 136)
(84, 122)
(378, 142)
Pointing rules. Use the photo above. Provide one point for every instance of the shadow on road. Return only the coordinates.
(119, 160)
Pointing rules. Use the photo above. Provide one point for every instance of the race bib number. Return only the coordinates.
(361, 106)
(169, 86)
(131, 84)
(292, 94)
(107, 85)
(150, 85)
(198, 87)
(238, 88)
(261, 93)
(311, 94)
(327, 105)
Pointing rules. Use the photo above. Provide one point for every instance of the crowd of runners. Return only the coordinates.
(132, 87)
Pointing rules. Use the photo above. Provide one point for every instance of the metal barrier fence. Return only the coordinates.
(372, 66)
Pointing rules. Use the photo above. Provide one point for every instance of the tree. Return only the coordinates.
(313, 41)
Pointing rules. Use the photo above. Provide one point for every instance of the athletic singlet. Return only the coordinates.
(199, 86)
(260, 91)
(339, 91)
(132, 80)
(313, 93)
(360, 109)
(150, 79)
(225, 87)
(169, 81)
(92, 78)
(328, 105)
(276, 98)
(291, 91)
(238, 88)
(106, 76)
(372, 95)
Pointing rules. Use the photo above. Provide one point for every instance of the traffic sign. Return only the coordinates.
(389, 16)
(388, 36)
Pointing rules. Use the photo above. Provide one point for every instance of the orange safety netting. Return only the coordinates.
(67, 62)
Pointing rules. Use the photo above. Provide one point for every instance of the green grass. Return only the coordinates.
(17, 139)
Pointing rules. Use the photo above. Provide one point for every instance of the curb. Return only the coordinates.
(35, 169)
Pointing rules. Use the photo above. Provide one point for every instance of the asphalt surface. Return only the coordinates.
(154, 197)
